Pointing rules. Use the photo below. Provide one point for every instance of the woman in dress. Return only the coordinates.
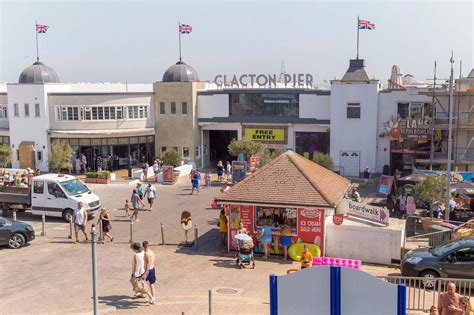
(220, 171)
(105, 218)
(223, 226)
(266, 238)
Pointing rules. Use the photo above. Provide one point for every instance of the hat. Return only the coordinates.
(136, 247)
(139, 184)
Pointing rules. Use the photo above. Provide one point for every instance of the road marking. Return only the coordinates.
(59, 228)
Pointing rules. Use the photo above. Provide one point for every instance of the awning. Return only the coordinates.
(101, 133)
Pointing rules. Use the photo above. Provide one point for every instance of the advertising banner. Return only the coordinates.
(267, 134)
(311, 226)
(385, 185)
(360, 210)
(168, 174)
(239, 171)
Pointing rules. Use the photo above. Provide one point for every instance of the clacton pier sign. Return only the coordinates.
(264, 80)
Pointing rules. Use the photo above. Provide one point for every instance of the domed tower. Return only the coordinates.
(176, 124)
(38, 73)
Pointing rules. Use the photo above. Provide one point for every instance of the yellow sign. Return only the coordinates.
(265, 135)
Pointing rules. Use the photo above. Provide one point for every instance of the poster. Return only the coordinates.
(311, 227)
(385, 185)
(239, 171)
(246, 217)
(168, 174)
(254, 161)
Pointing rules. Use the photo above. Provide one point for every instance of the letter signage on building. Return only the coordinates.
(360, 210)
(267, 134)
(264, 80)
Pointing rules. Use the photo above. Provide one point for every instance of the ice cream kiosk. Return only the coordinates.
(292, 195)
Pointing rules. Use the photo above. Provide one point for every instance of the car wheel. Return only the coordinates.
(429, 279)
(67, 215)
(16, 241)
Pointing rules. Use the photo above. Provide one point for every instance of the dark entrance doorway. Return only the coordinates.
(218, 142)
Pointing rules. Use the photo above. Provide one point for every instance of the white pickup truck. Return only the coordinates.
(53, 194)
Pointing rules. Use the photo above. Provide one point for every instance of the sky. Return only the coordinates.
(136, 41)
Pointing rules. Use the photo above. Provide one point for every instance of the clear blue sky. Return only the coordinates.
(118, 41)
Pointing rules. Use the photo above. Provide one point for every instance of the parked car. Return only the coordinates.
(15, 234)
(454, 259)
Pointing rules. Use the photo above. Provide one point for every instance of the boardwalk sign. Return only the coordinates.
(363, 211)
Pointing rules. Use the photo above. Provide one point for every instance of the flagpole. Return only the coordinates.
(37, 51)
(179, 35)
(357, 37)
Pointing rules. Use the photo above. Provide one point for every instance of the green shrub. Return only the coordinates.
(92, 175)
(323, 159)
(171, 158)
(103, 174)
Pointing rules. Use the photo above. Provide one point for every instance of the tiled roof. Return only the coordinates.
(292, 180)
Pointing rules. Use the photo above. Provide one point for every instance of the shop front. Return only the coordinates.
(289, 191)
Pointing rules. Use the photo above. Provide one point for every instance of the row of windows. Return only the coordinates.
(184, 108)
(185, 151)
(26, 110)
(264, 104)
(83, 112)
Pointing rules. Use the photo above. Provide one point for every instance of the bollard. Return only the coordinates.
(210, 302)
(131, 231)
(94, 269)
(70, 229)
(14, 214)
(162, 233)
(196, 236)
(100, 231)
(43, 221)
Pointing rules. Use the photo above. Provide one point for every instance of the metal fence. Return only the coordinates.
(422, 293)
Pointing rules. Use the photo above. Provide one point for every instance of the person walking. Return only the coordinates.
(150, 274)
(208, 178)
(138, 269)
(196, 181)
(136, 201)
(285, 239)
(83, 163)
(145, 167)
(126, 207)
(105, 218)
(77, 165)
(140, 190)
(411, 205)
(228, 170)
(99, 163)
(156, 169)
(191, 176)
(449, 302)
(266, 238)
(223, 226)
(220, 171)
(80, 221)
(452, 209)
(150, 194)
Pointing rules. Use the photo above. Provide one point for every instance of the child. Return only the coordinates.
(126, 208)
(306, 258)
(208, 179)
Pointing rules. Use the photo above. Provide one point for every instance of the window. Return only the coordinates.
(184, 108)
(16, 110)
(205, 149)
(39, 156)
(175, 148)
(27, 110)
(3, 112)
(276, 216)
(162, 108)
(197, 151)
(403, 110)
(54, 190)
(185, 152)
(264, 104)
(66, 113)
(137, 112)
(163, 150)
(353, 110)
(38, 187)
(173, 108)
(37, 110)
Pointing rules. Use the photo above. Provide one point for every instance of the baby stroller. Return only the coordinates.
(245, 252)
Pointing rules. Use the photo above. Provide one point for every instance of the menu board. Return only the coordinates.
(311, 227)
(234, 220)
(246, 217)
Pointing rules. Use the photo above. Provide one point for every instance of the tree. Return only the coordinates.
(5, 155)
(245, 146)
(323, 159)
(430, 189)
(171, 158)
(267, 155)
(60, 156)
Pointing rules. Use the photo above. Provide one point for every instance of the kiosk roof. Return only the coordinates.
(292, 180)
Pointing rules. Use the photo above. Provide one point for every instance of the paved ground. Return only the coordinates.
(53, 276)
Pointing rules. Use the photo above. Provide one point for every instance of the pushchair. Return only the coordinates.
(245, 253)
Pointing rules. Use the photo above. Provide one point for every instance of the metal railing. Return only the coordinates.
(426, 240)
(422, 293)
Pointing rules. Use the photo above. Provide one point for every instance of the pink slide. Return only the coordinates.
(340, 262)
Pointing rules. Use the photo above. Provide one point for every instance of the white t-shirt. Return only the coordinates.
(150, 192)
(141, 264)
(79, 214)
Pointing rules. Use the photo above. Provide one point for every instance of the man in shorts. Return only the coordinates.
(150, 194)
(80, 221)
(150, 275)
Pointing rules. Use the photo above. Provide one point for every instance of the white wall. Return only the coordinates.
(359, 241)
(216, 105)
(354, 134)
(315, 106)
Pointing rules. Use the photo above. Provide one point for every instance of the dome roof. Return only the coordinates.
(38, 73)
(180, 72)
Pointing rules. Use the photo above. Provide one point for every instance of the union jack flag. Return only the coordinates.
(185, 28)
(41, 28)
(366, 25)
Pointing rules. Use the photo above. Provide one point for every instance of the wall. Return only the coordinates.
(3, 101)
(354, 134)
(368, 243)
(315, 106)
(215, 105)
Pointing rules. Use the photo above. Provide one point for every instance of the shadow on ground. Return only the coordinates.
(121, 302)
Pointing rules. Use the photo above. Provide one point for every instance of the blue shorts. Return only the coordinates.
(266, 240)
(195, 184)
(151, 278)
(285, 240)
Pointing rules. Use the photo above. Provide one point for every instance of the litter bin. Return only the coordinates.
(443, 234)
(410, 226)
(367, 173)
